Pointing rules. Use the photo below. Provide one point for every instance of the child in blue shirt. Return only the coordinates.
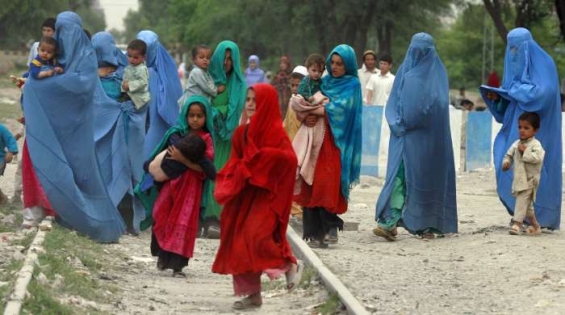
(45, 64)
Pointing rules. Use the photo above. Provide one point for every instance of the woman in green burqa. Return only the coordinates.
(225, 69)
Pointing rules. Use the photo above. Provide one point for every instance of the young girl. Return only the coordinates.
(177, 207)
(256, 187)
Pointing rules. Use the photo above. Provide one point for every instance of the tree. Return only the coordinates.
(272, 28)
(526, 13)
(20, 21)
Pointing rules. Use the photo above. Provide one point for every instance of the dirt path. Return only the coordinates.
(481, 270)
(148, 290)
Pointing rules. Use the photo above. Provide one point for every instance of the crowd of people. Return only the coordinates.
(233, 156)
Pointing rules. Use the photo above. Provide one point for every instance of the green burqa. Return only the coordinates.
(227, 108)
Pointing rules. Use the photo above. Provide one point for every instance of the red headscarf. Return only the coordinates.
(493, 80)
(263, 158)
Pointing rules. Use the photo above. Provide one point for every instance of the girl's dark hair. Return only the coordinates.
(203, 110)
(49, 41)
(195, 49)
(532, 118)
(315, 59)
(138, 45)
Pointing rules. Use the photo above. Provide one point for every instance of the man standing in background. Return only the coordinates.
(369, 68)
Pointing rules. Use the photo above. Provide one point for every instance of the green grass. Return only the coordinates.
(6, 210)
(63, 246)
(25, 241)
(8, 274)
(308, 275)
(330, 306)
(41, 301)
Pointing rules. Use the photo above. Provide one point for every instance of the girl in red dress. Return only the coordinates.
(256, 188)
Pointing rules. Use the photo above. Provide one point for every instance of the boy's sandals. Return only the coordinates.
(515, 230)
(294, 275)
(387, 235)
(533, 231)
(244, 304)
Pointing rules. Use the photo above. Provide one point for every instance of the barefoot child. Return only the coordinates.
(176, 209)
(527, 156)
(136, 75)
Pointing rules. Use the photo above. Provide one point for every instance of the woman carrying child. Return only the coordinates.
(256, 188)
(339, 160)
(165, 89)
(60, 128)
(119, 131)
(177, 207)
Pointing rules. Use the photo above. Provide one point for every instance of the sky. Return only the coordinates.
(116, 10)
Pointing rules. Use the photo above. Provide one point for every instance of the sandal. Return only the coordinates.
(244, 304)
(533, 231)
(427, 236)
(294, 275)
(378, 231)
(515, 230)
(317, 243)
(179, 274)
(332, 236)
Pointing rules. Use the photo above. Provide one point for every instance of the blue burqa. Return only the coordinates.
(418, 115)
(165, 89)
(530, 83)
(119, 131)
(60, 136)
(109, 55)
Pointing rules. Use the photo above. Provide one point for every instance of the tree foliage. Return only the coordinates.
(20, 21)
(270, 28)
(524, 13)
(461, 45)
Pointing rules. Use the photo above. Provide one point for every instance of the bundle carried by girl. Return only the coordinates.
(308, 140)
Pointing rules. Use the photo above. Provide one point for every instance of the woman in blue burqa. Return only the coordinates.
(165, 89)
(530, 84)
(119, 131)
(419, 191)
(60, 136)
